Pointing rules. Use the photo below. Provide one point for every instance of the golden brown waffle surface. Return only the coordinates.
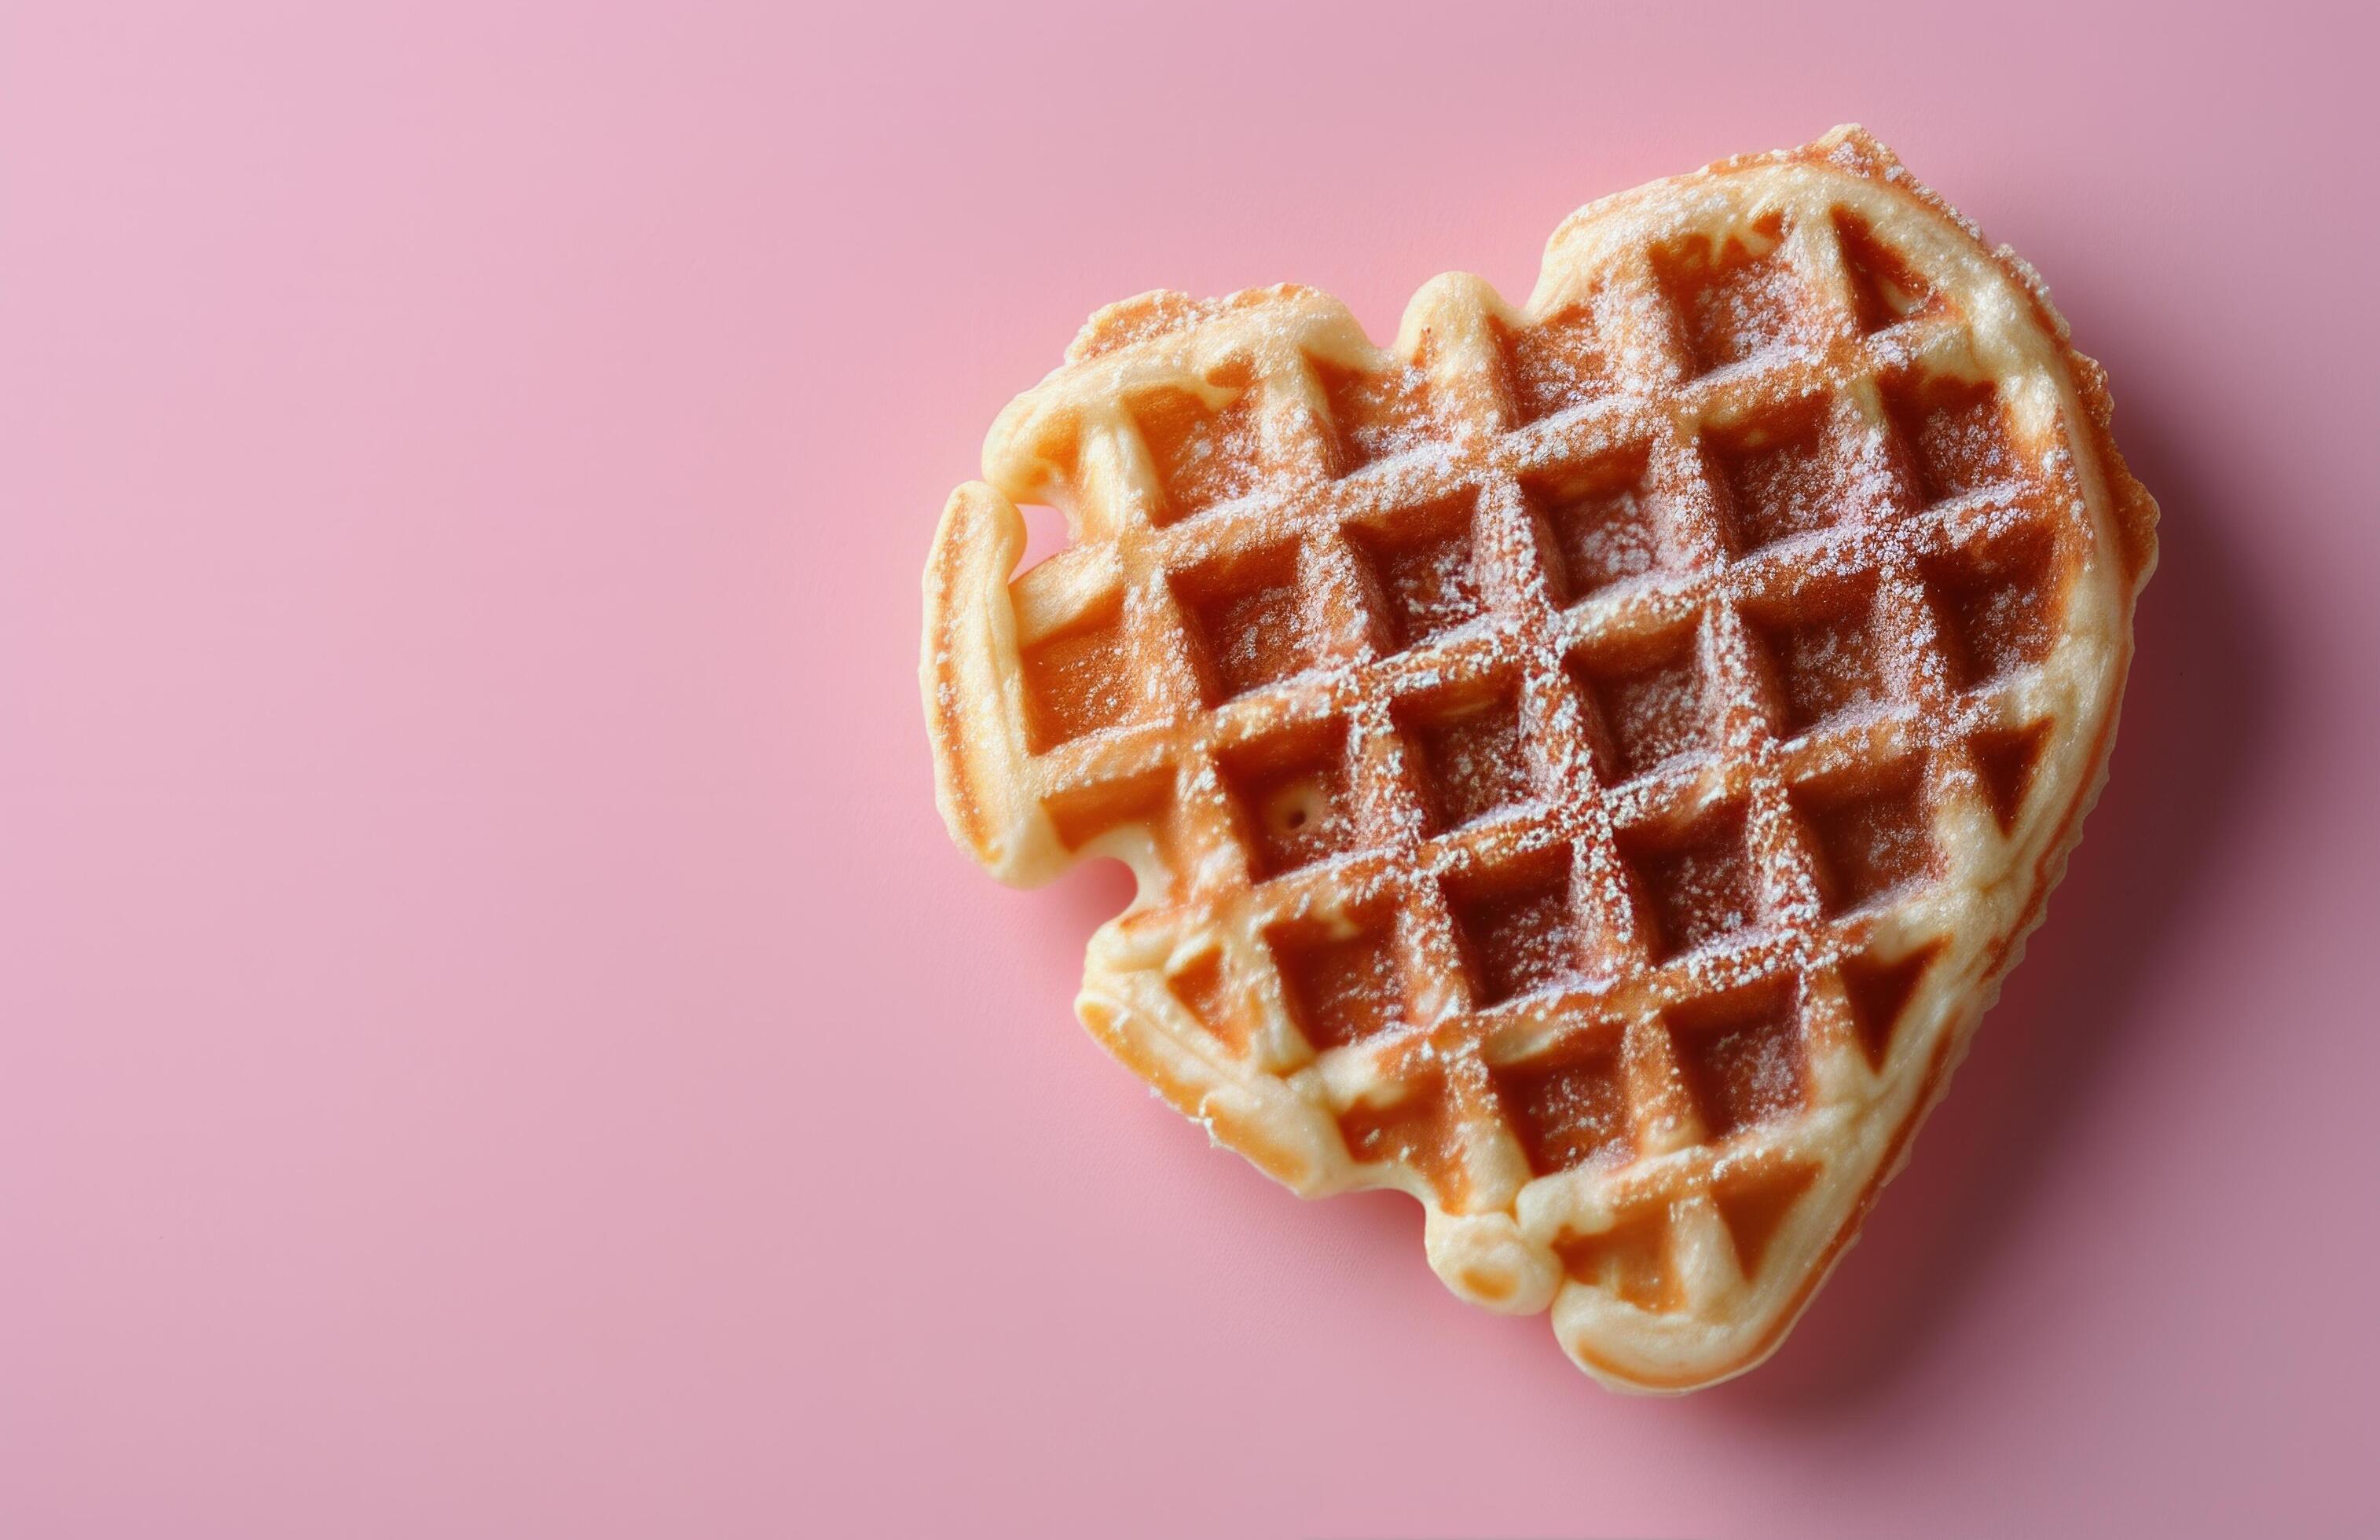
(1587, 765)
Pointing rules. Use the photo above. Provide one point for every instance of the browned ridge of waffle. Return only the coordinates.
(1589, 768)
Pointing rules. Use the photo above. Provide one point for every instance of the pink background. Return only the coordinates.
(494, 1040)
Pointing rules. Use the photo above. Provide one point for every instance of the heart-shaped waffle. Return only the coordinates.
(1589, 768)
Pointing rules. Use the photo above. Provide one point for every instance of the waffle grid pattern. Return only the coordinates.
(1557, 746)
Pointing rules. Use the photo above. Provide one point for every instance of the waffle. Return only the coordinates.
(1588, 766)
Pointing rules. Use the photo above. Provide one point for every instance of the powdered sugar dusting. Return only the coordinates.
(1562, 708)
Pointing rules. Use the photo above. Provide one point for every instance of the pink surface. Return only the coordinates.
(494, 1040)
